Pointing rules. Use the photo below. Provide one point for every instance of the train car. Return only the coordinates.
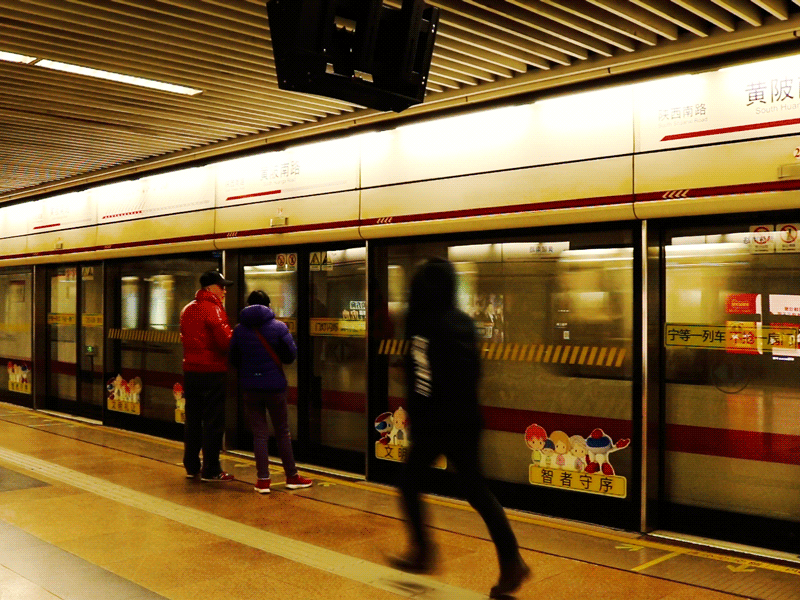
(629, 256)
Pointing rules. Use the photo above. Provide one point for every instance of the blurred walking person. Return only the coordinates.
(443, 370)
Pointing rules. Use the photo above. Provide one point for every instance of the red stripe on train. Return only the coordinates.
(734, 443)
(734, 129)
(254, 195)
(505, 209)
(721, 190)
(63, 368)
(515, 420)
(707, 441)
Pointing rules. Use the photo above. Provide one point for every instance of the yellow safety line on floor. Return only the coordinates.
(672, 551)
(376, 575)
(656, 561)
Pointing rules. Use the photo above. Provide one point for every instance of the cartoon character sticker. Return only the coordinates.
(19, 378)
(180, 403)
(124, 396)
(384, 424)
(574, 462)
(535, 437)
(399, 434)
(599, 446)
(394, 428)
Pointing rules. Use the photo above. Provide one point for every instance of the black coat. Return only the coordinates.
(443, 364)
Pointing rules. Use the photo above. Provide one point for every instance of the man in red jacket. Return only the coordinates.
(205, 335)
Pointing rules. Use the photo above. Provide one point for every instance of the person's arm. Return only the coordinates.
(220, 329)
(235, 353)
(287, 350)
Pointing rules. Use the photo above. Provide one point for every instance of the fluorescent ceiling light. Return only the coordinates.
(16, 58)
(148, 83)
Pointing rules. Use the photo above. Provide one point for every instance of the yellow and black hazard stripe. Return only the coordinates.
(599, 356)
(145, 335)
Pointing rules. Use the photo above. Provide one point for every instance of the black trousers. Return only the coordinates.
(205, 421)
(460, 446)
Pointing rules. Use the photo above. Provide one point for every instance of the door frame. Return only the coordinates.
(78, 407)
(237, 432)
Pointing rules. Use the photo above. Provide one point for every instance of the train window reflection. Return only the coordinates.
(130, 302)
(162, 301)
(281, 286)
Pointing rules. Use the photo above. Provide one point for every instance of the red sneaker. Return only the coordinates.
(221, 476)
(262, 486)
(298, 481)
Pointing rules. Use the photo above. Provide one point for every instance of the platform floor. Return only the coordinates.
(91, 512)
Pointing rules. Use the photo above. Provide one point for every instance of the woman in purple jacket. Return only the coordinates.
(259, 345)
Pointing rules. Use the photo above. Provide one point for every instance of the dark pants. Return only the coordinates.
(461, 449)
(205, 421)
(256, 404)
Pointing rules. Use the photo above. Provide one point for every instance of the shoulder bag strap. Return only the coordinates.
(269, 350)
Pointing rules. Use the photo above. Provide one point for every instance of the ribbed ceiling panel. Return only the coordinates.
(59, 130)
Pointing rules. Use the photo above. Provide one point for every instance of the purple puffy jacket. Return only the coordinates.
(257, 370)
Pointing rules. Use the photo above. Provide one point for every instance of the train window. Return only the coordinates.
(152, 293)
(15, 329)
(732, 367)
(554, 319)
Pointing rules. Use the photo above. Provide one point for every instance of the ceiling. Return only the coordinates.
(59, 130)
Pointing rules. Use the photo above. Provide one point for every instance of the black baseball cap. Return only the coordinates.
(214, 277)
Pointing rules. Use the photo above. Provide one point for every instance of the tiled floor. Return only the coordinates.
(90, 512)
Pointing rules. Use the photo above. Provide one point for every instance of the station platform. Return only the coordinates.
(89, 512)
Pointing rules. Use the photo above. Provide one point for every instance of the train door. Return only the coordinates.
(730, 387)
(554, 314)
(336, 412)
(75, 339)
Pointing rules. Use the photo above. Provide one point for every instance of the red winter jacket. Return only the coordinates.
(205, 334)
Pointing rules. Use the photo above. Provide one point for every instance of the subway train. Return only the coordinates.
(629, 256)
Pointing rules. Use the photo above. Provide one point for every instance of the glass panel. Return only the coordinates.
(92, 342)
(62, 327)
(281, 287)
(732, 366)
(152, 294)
(15, 330)
(338, 318)
(554, 319)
